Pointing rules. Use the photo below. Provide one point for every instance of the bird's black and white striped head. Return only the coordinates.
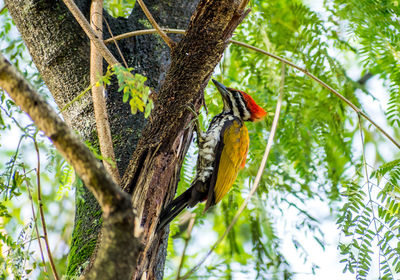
(239, 103)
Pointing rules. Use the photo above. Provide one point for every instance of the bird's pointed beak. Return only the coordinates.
(223, 90)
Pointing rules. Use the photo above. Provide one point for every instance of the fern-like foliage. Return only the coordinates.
(375, 26)
(371, 222)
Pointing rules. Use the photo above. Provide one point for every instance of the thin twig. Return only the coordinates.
(187, 239)
(142, 32)
(79, 96)
(256, 180)
(163, 35)
(305, 71)
(80, 18)
(369, 186)
(99, 102)
(115, 43)
(39, 194)
(35, 222)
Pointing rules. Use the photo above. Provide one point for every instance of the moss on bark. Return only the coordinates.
(86, 231)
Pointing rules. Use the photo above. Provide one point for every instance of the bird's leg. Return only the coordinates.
(197, 127)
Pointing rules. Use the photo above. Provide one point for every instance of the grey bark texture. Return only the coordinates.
(60, 51)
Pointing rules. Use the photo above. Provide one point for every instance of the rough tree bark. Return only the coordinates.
(60, 51)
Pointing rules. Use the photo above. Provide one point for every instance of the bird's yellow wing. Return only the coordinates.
(233, 157)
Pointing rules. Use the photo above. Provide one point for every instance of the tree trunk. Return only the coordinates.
(60, 51)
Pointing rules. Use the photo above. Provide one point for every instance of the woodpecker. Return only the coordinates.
(222, 152)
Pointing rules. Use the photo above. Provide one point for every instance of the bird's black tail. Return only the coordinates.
(174, 208)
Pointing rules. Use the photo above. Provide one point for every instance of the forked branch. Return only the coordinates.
(153, 172)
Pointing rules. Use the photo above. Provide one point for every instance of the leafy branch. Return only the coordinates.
(131, 85)
(133, 88)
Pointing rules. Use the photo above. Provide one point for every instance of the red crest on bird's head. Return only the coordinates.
(257, 112)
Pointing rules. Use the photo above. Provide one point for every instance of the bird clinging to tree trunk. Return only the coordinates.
(222, 152)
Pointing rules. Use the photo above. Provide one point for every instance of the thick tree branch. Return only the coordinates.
(243, 5)
(60, 49)
(117, 210)
(194, 59)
